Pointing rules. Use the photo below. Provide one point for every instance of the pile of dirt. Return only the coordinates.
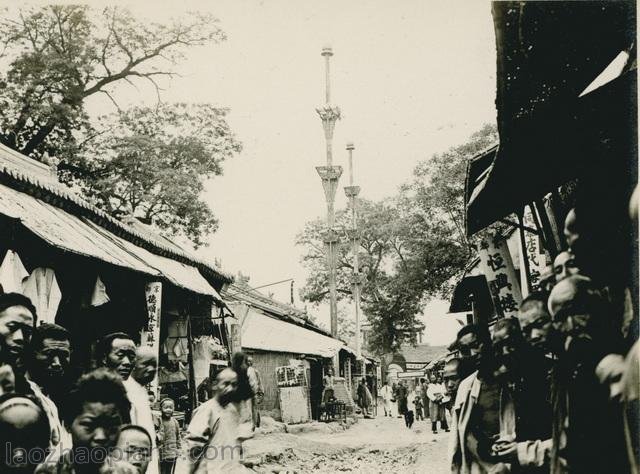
(371, 460)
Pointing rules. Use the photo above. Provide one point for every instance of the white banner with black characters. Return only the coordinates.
(497, 266)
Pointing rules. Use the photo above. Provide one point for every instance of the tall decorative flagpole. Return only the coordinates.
(352, 193)
(330, 176)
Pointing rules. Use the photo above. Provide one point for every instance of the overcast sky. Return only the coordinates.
(412, 78)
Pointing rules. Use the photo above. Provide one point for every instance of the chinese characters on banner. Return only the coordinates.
(538, 260)
(496, 264)
(151, 332)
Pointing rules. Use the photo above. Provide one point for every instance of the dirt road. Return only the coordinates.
(381, 445)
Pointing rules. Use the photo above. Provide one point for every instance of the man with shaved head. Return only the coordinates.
(212, 436)
(24, 434)
(565, 265)
(535, 323)
(525, 411)
(143, 373)
(588, 433)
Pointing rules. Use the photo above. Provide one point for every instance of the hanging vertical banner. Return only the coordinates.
(497, 266)
(535, 253)
(150, 335)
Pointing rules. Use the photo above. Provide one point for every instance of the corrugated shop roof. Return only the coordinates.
(81, 236)
(36, 179)
(263, 332)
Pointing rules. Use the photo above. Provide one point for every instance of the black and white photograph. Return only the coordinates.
(319, 236)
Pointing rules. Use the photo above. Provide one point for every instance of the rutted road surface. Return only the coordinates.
(381, 445)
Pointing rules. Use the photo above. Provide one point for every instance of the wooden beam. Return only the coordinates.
(519, 226)
(524, 258)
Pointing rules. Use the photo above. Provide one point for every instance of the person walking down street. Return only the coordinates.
(436, 393)
(169, 437)
(258, 393)
(364, 397)
(394, 399)
(212, 435)
(424, 384)
(387, 394)
(245, 396)
(401, 397)
(416, 397)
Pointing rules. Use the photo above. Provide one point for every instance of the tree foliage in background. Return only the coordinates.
(152, 164)
(434, 202)
(147, 161)
(59, 55)
(389, 301)
(412, 246)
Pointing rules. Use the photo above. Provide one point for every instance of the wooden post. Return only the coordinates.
(525, 271)
(554, 247)
(193, 399)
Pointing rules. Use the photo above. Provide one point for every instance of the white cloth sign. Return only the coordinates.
(535, 254)
(497, 266)
(151, 333)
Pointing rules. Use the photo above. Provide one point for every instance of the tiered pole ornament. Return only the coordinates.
(352, 193)
(330, 176)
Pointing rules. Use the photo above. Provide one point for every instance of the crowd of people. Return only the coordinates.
(102, 422)
(427, 399)
(554, 389)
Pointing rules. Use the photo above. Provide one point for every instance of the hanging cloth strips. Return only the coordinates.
(12, 273)
(42, 289)
(99, 295)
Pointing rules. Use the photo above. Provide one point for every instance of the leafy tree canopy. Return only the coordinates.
(149, 162)
(60, 55)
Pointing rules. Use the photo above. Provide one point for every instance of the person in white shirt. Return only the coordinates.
(387, 394)
(212, 437)
(436, 393)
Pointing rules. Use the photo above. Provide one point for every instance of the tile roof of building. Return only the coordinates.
(37, 179)
(241, 291)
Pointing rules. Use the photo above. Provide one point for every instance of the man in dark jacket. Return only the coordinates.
(401, 397)
(588, 434)
(525, 419)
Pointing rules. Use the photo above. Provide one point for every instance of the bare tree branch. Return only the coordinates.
(113, 101)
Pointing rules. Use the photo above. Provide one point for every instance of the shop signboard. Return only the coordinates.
(497, 266)
(538, 260)
(151, 332)
(411, 374)
(415, 366)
